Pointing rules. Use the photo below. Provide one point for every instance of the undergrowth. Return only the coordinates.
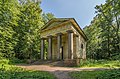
(8, 71)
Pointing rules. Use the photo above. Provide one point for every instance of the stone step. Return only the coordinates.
(48, 62)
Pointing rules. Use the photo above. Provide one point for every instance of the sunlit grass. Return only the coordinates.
(100, 63)
(85, 74)
(12, 72)
(102, 74)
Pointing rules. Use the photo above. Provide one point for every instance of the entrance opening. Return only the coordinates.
(62, 52)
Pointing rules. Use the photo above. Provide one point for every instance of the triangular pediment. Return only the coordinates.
(59, 21)
(55, 22)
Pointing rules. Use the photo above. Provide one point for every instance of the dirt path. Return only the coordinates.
(59, 72)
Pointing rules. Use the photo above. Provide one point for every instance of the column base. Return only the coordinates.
(71, 62)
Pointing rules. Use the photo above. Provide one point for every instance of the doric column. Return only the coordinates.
(70, 44)
(50, 47)
(59, 44)
(84, 50)
(42, 48)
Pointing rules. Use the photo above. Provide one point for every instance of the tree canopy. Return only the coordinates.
(104, 32)
(20, 22)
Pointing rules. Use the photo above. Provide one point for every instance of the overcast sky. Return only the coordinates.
(82, 10)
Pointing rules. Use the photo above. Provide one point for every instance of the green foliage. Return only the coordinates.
(47, 16)
(8, 72)
(4, 61)
(28, 45)
(12, 72)
(8, 22)
(1, 55)
(85, 74)
(104, 32)
(102, 74)
(16, 61)
(113, 74)
(11, 61)
(100, 63)
(20, 24)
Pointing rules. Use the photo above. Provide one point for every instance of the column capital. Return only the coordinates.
(59, 33)
(76, 35)
(70, 31)
(42, 38)
(50, 36)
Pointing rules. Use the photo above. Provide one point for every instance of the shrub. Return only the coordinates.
(4, 61)
(1, 55)
(16, 61)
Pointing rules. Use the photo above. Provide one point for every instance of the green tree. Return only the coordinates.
(47, 16)
(110, 18)
(93, 32)
(30, 22)
(8, 22)
(104, 32)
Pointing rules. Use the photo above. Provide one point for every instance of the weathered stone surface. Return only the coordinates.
(72, 62)
(68, 41)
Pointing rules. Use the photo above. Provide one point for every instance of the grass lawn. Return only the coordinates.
(12, 72)
(102, 74)
(85, 74)
(100, 63)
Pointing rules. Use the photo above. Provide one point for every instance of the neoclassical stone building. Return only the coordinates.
(66, 40)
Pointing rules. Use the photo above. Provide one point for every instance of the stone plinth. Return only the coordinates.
(71, 62)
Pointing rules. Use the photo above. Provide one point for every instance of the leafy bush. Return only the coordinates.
(1, 55)
(116, 57)
(16, 61)
(11, 61)
(113, 74)
(4, 61)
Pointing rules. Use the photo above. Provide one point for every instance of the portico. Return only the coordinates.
(66, 40)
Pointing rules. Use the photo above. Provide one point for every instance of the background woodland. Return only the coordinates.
(22, 20)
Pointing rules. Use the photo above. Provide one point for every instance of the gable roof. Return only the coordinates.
(54, 22)
(57, 21)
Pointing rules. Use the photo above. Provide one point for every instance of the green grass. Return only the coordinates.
(103, 74)
(12, 72)
(85, 74)
(100, 63)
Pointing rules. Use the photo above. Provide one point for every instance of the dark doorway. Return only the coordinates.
(62, 52)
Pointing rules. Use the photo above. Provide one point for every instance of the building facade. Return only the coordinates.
(66, 40)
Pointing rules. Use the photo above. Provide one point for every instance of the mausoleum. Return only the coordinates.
(66, 40)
